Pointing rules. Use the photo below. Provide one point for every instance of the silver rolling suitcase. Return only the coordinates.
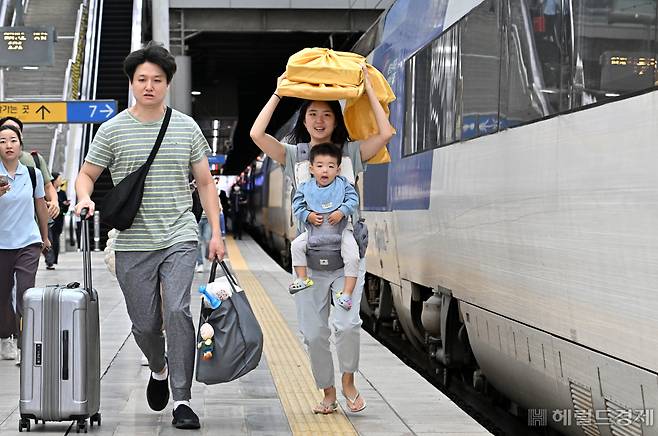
(60, 351)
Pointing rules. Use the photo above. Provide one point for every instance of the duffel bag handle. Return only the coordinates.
(213, 272)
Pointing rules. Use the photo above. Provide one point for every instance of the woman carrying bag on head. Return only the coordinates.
(22, 239)
(321, 122)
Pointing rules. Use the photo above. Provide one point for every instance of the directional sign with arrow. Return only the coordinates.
(49, 112)
(42, 110)
(91, 111)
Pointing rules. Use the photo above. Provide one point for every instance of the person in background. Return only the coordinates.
(205, 232)
(22, 238)
(551, 10)
(223, 202)
(238, 204)
(55, 230)
(36, 161)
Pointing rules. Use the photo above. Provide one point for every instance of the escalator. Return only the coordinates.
(115, 39)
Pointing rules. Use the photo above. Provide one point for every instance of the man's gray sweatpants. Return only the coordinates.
(142, 275)
(313, 306)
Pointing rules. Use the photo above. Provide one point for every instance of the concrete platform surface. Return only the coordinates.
(400, 402)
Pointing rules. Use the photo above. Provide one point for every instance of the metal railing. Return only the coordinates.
(85, 67)
(4, 6)
(71, 88)
(26, 4)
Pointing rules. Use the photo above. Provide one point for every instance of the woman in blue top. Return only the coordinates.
(21, 238)
(320, 122)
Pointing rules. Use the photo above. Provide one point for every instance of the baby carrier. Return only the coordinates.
(323, 245)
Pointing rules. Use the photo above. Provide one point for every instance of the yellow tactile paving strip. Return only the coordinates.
(287, 360)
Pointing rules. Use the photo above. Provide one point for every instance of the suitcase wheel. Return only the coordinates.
(82, 426)
(95, 417)
(24, 423)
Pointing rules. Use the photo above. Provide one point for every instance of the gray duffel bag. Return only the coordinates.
(237, 341)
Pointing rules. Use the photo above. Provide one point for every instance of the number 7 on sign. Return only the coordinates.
(93, 109)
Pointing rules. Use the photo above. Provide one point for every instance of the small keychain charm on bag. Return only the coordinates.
(206, 345)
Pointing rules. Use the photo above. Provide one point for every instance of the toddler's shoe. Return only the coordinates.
(299, 285)
(344, 301)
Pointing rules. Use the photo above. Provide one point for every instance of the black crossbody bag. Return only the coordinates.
(121, 204)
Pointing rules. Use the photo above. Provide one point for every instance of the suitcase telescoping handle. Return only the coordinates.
(85, 245)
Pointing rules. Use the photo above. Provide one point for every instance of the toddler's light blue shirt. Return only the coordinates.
(338, 195)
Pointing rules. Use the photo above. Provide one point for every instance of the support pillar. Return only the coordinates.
(181, 86)
(160, 20)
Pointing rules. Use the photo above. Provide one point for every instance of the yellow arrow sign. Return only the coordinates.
(32, 112)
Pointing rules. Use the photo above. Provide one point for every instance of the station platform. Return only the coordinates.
(274, 399)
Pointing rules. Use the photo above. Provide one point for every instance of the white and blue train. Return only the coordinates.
(517, 224)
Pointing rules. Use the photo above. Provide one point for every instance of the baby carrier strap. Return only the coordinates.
(304, 149)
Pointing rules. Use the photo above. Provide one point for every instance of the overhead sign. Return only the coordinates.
(56, 112)
(27, 46)
(95, 111)
(217, 159)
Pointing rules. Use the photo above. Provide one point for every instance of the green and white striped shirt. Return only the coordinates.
(165, 217)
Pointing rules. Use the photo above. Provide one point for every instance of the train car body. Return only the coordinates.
(272, 207)
(518, 217)
(272, 201)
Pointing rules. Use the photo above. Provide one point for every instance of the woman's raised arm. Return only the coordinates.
(268, 143)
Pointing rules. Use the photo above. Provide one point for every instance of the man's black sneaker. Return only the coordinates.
(157, 393)
(185, 418)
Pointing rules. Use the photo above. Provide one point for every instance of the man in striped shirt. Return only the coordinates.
(155, 257)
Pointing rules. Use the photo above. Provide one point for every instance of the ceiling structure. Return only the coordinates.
(237, 55)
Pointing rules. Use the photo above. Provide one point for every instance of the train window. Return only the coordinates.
(512, 62)
(537, 67)
(416, 101)
(480, 70)
(615, 48)
(431, 94)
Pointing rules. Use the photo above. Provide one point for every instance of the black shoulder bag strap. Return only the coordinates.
(35, 159)
(121, 204)
(33, 179)
(158, 141)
